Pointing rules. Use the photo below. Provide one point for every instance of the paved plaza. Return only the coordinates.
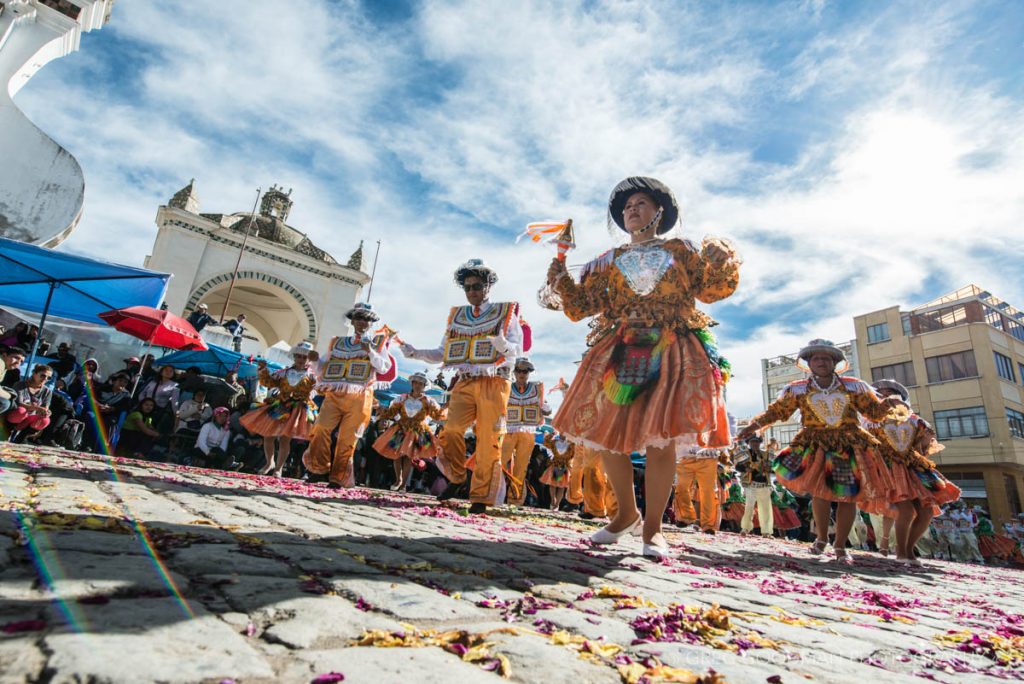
(125, 571)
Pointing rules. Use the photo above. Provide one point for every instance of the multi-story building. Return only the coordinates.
(778, 372)
(962, 357)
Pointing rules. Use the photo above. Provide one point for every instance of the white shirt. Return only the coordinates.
(213, 435)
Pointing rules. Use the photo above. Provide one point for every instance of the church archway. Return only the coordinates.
(274, 309)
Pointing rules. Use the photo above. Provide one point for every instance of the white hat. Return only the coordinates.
(478, 268)
(301, 349)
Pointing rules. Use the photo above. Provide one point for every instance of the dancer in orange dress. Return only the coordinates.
(831, 458)
(905, 441)
(409, 439)
(289, 414)
(559, 472)
(652, 380)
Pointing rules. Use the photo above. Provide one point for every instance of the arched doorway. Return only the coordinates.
(275, 310)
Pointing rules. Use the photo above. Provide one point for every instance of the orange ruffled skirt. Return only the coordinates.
(556, 476)
(851, 474)
(929, 486)
(395, 443)
(686, 400)
(263, 421)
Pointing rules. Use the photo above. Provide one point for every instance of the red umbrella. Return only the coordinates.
(156, 327)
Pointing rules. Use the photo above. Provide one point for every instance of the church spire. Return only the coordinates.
(186, 198)
(355, 261)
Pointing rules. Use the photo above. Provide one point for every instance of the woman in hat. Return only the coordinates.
(831, 458)
(481, 343)
(409, 439)
(652, 379)
(559, 471)
(906, 441)
(288, 413)
(354, 366)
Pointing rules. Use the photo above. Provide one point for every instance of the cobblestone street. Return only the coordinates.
(129, 571)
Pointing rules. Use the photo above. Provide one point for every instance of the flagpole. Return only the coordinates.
(241, 251)
(369, 293)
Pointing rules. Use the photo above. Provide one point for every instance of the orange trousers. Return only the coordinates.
(703, 472)
(480, 402)
(349, 412)
(575, 493)
(589, 484)
(516, 450)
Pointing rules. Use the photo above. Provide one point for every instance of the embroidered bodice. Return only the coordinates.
(412, 412)
(525, 408)
(466, 338)
(651, 284)
(829, 417)
(350, 367)
(562, 450)
(292, 384)
(906, 439)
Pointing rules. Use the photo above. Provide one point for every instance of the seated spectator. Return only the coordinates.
(138, 435)
(12, 337)
(194, 412)
(147, 372)
(211, 449)
(32, 415)
(13, 357)
(64, 430)
(111, 402)
(164, 392)
(245, 447)
(191, 382)
(10, 358)
(89, 377)
(65, 366)
(132, 366)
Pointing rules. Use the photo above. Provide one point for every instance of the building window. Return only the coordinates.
(1016, 421)
(1004, 366)
(951, 366)
(1020, 371)
(878, 333)
(907, 326)
(959, 423)
(902, 373)
(1014, 328)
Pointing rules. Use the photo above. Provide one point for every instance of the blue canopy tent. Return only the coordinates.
(214, 361)
(52, 283)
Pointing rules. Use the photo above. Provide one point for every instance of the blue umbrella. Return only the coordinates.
(216, 361)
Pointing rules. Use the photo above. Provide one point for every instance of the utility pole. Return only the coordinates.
(369, 293)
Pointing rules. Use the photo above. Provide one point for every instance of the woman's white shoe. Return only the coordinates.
(603, 536)
(656, 551)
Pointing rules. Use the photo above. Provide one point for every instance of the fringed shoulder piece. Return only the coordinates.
(601, 263)
(856, 385)
(796, 388)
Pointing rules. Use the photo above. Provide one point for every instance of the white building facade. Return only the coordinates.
(289, 289)
(42, 188)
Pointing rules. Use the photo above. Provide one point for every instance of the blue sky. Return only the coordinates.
(860, 155)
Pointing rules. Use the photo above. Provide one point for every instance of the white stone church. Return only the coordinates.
(289, 289)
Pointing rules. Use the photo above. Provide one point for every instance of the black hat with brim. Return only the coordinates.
(653, 187)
